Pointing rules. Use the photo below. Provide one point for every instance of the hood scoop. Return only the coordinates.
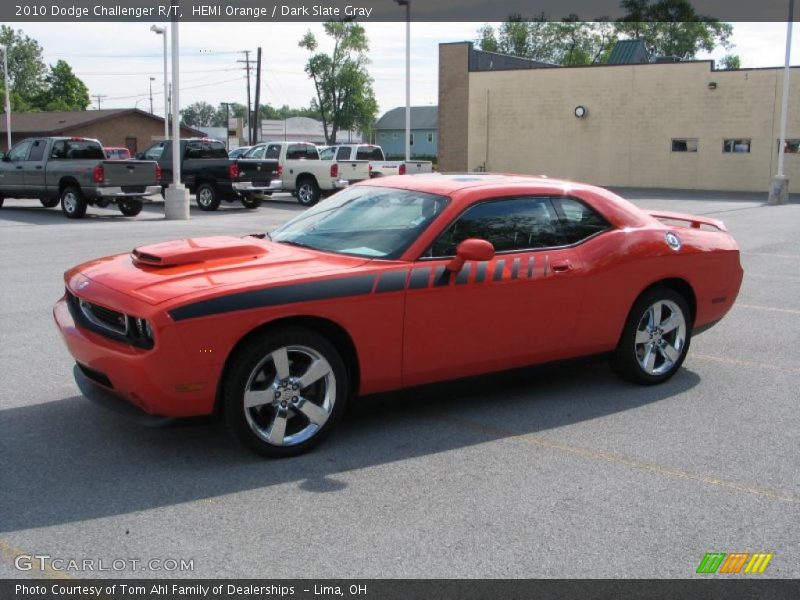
(196, 250)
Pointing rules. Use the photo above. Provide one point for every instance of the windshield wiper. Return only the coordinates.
(298, 244)
(260, 236)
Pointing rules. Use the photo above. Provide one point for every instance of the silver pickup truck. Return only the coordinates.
(75, 172)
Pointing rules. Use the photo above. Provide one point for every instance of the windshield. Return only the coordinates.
(327, 153)
(373, 222)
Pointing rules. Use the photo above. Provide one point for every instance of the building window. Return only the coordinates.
(411, 140)
(791, 146)
(430, 138)
(736, 146)
(684, 145)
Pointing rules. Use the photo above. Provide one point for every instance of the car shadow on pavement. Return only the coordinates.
(69, 460)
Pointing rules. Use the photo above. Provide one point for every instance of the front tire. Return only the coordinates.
(73, 204)
(656, 338)
(308, 191)
(207, 197)
(284, 392)
(252, 202)
(130, 208)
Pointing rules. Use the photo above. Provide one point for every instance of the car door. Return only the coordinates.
(521, 307)
(33, 170)
(12, 177)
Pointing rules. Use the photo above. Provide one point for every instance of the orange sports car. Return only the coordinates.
(389, 284)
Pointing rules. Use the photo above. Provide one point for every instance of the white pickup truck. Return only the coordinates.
(306, 176)
(380, 167)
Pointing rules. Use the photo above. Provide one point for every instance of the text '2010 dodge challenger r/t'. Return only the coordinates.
(390, 284)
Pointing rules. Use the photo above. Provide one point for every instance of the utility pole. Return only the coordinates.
(7, 84)
(256, 128)
(779, 189)
(246, 62)
(152, 79)
(99, 97)
(227, 106)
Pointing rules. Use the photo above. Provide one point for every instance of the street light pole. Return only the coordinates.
(407, 4)
(7, 86)
(779, 190)
(176, 197)
(163, 31)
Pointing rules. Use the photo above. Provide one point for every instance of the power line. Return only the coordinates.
(99, 97)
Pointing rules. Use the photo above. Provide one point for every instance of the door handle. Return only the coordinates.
(561, 267)
(39, 168)
(19, 167)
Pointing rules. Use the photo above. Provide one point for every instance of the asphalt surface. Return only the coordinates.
(562, 471)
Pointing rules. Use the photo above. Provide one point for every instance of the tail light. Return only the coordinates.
(158, 173)
(99, 174)
(401, 169)
(233, 171)
(280, 170)
(370, 170)
(335, 170)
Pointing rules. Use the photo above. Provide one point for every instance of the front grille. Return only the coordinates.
(105, 317)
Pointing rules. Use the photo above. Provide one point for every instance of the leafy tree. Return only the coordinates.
(673, 28)
(63, 90)
(345, 98)
(200, 114)
(730, 62)
(26, 69)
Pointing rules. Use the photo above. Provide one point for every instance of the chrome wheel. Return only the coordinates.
(70, 202)
(289, 395)
(205, 197)
(305, 193)
(660, 337)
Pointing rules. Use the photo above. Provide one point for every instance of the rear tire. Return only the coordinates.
(251, 202)
(130, 208)
(73, 204)
(284, 392)
(308, 191)
(655, 339)
(49, 202)
(207, 197)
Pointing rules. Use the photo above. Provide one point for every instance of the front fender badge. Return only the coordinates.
(673, 241)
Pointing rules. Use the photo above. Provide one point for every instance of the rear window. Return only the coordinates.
(369, 153)
(77, 149)
(302, 152)
(205, 149)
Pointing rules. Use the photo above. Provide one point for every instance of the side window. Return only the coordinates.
(154, 152)
(213, 150)
(579, 221)
(512, 224)
(20, 151)
(194, 150)
(311, 152)
(343, 153)
(37, 151)
(295, 151)
(273, 151)
(59, 150)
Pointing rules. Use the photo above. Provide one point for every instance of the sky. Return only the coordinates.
(117, 59)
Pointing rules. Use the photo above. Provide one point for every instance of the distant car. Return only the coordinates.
(393, 283)
(238, 152)
(114, 153)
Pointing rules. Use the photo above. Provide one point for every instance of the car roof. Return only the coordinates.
(447, 183)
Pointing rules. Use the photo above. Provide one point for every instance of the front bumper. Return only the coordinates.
(112, 192)
(149, 380)
(247, 187)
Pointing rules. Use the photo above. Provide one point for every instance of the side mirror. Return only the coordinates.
(470, 249)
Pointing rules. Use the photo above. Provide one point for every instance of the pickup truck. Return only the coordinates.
(212, 177)
(380, 167)
(75, 172)
(305, 175)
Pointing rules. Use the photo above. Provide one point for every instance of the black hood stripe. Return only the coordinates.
(326, 289)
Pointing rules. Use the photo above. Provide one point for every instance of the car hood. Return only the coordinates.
(170, 270)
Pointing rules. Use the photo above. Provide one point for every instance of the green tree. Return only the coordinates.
(26, 69)
(673, 28)
(729, 62)
(345, 98)
(200, 114)
(63, 90)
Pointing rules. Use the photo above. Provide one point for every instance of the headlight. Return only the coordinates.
(143, 330)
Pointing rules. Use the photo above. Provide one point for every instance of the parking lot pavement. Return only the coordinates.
(561, 471)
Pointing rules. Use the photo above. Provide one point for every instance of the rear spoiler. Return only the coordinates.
(693, 221)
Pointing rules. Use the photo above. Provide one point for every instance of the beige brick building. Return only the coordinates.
(666, 125)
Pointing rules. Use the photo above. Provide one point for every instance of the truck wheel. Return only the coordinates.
(207, 197)
(130, 208)
(73, 204)
(251, 201)
(49, 202)
(307, 191)
(1, 201)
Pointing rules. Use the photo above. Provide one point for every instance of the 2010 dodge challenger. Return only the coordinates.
(389, 284)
